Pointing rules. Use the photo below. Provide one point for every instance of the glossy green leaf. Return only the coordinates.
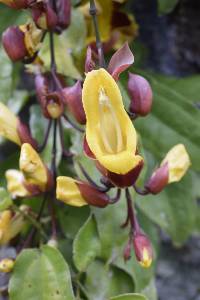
(103, 282)
(166, 6)
(41, 274)
(86, 245)
(129, 297)
(5, 199)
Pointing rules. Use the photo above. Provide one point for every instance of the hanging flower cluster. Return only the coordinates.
(109, 137)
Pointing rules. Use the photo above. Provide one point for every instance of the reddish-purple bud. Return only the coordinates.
(143, 249)
(13, 42)
(89, 62)
(25, 135)
(91, 195)
(127, 252)
(141, 95)
(120, 61)
(44, 16)
(63, 13)
(158, 180)
(73, 99)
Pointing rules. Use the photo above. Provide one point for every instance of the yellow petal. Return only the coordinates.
(15, 183)
(5, 220)
(178, 162)
(32, 167)
(8, 124)
(68, 191)
(32, 38)
(146, 259)
(6, 265)
(110, 133)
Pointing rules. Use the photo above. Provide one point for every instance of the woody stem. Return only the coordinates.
(93, 13)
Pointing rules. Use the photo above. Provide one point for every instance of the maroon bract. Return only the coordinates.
(158, 180)
(91, 195)
(141, 95)
(25, 135)
(120, 61)
(13, 42)
(73, 99)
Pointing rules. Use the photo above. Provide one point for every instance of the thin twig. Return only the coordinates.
(64, 152)
(93, 13)
(72, 123)
(140, 192)
(116, 198)
(44, 143)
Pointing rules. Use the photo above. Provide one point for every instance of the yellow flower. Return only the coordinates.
(178, 162)
(77, 193)
(34, 170)
(68, 192)
(32, 37)
(110, 133)
(10, 225)
(8, 124)
(15, 184)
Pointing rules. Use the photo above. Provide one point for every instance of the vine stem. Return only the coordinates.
(93, 13)
(131, 214)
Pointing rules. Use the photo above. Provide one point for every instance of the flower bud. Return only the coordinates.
(89, 62)
(34, 170)
(178, 162)
(141, 95)
(143, 250)
(44, 16)
(13, 42)
(73, 99)
(6, 265)
(16, 4)
(127, 252)
(158, 180)
(78, 193)
(54, 105)
(25, 135)
(11, 224)
(63, 13)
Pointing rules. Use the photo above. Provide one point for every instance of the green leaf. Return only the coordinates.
(86, 245)
(5, 199)
(104, 281)
(41, 274)
(174, 210)
(166, 6)
(129, 297)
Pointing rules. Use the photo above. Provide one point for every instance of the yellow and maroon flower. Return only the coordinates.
(34, 170)
(143, 250)
(172, 169)
(110, 134)
(77, 193)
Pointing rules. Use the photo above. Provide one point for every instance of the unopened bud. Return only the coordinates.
(25, 135)
(63, 13)
(158, 180)
(73, 99)
(6, 265)
(13, 42)
(89, 62)
(44, 16)
(143, 250)
(127, 252)
(141, 95)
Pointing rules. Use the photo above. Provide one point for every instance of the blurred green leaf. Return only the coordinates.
(10, 16)
(41, 274)
(5, 199)
(103, 282)
(166, 6)
(86, 245)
